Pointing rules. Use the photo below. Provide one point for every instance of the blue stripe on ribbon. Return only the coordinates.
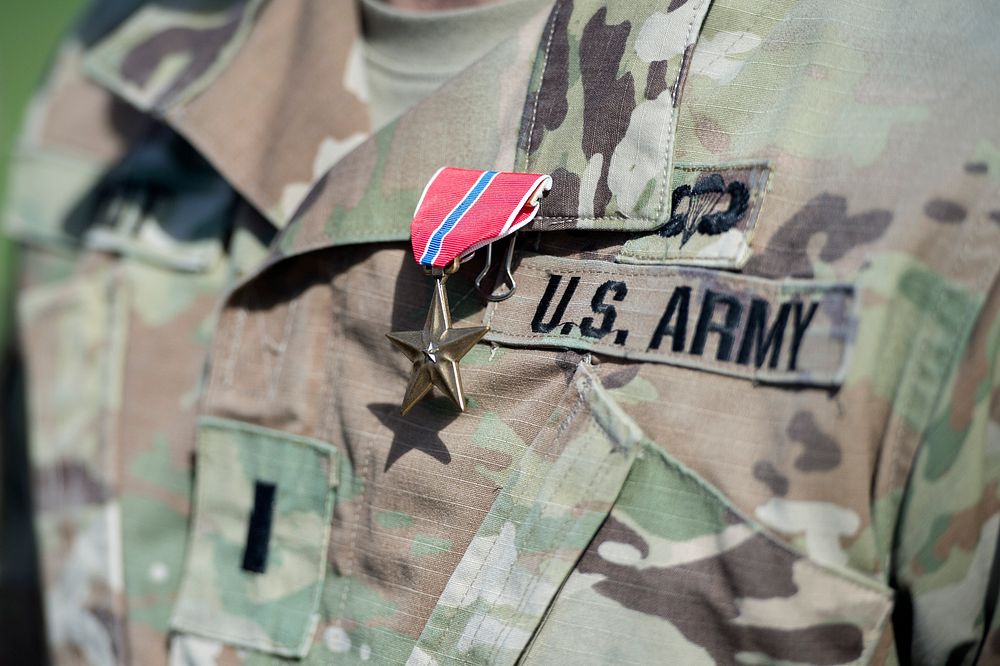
(450, 222)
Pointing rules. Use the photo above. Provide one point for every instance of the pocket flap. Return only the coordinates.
(257, 555)
(604, 549)
(676, 570)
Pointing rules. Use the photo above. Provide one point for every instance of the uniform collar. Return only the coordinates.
(271, 93)
(473, 121)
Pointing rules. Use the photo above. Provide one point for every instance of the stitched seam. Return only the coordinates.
(818, 377)
(666, 258)
(668, 147)
(574, 411)
(716, 261)
(281, 347)
(582, 399)
(796, 285)
(541, 82)
(877, 630)
(533, 529)
(352, 547)
(605, 218)
(220, 424)
(236, 638)
(896, 434)
(117, 328)
(560, 482)
(664, 185)
(229, 372)
(723, 166)
(328, 384)
(324, 546)
(197, 528)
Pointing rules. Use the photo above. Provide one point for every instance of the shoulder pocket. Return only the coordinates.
(606, 550)
(257, 553)
(602, 120)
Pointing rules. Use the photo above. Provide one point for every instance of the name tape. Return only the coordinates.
(775, 331)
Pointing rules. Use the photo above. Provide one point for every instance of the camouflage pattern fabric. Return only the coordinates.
(757, 523)
(603, 101)
(168, 52)
(775, 166)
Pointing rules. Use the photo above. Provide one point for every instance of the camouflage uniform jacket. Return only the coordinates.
(743, 407)
(129, 238)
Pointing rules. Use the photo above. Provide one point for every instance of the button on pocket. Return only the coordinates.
(257, 554)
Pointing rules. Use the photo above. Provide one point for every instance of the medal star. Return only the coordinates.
(435, 352)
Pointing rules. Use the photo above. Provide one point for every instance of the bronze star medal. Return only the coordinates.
(460, 211)
(436, 350)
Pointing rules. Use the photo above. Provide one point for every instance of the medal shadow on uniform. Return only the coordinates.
(419, 430)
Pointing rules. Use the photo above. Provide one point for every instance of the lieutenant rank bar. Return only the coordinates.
(774, 331)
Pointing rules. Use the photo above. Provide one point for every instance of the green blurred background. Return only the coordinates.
(29, 31)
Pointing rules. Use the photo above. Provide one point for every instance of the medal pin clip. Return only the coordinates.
(506, 274)
(442, 273)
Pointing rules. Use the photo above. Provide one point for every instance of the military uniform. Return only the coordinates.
(742, 407)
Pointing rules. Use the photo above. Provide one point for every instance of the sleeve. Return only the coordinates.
(946, 561)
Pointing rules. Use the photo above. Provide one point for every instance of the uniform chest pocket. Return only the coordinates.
(613, 552)
(257, 550)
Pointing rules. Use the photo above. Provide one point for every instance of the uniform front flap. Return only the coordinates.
(602, 547)
(73, 339)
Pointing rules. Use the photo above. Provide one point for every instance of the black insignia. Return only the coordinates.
(618, 290)
(259, 527)
(750, 333)
(788, 331)
(702, 214)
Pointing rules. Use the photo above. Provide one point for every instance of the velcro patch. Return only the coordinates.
(776, 331)
(714, 211)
